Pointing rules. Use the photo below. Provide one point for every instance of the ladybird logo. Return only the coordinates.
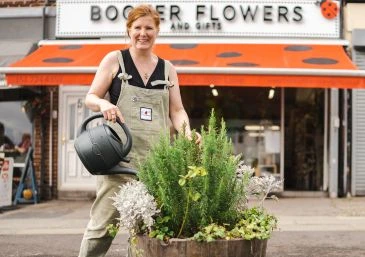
(146, 114)
(329, 9)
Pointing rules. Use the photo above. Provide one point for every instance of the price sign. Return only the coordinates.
(6, 179)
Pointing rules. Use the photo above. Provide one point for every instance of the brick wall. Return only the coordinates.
(48, 188)
(55, 145)
(42, 154)
(25, 3)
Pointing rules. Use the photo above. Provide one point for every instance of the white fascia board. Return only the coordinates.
(47, 70)
(27, 12)
(271, 71)
(198, 70)
(190, 40)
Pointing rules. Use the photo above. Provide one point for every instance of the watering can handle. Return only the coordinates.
(87, 120)
(128, 144)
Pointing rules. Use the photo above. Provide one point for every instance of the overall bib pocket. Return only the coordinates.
(146, 113)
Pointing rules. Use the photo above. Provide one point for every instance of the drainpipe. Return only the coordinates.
(44, 19)
(333, 143)
(50, 150)
(44, 22)
(42, 180)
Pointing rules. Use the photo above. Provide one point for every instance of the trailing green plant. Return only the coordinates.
(161, 230)
(211, 233)
(255, 223)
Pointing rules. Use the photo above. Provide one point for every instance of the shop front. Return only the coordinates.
(273, 71)
(354, 31)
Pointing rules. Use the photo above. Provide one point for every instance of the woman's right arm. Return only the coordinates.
(103, 78)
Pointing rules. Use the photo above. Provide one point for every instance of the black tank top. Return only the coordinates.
(136, 80)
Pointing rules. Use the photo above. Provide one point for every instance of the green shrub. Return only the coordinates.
(194, 185)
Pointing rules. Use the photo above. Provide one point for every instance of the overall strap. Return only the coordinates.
(167, 69)
(122, 76)
(165, 82)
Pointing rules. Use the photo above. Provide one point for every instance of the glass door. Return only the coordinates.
(72, 174)
(304, 139)
(252, 117)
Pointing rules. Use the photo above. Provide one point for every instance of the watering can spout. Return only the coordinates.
(122, 170)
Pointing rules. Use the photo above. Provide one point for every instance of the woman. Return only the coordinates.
(24, 145)
(22, 150)
(144, 93)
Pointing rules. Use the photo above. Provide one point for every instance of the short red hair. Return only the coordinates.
(142, 11)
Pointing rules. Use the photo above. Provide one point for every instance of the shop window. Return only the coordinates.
(14, 124)
(252, 117)
(72, 127)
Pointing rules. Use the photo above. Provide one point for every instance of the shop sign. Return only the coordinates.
(6, 180)
(213, 18)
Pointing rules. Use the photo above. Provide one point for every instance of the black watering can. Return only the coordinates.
(100, 149)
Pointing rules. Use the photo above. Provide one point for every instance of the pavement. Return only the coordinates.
(304, 224)
(294, 214)
(319, 214)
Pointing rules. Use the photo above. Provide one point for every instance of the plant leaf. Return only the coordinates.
(182, 182)
(196, 196)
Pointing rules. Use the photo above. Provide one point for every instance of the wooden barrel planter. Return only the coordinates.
(151, 247)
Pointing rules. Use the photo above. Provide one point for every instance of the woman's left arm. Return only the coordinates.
(178, 114)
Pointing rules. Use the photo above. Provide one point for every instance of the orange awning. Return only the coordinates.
(266, 65)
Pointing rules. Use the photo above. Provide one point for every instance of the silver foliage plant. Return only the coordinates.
(258, 187)
(243, 174)
(261, 187)
(135, 205)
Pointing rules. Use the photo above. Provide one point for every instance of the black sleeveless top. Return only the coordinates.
(136, 80)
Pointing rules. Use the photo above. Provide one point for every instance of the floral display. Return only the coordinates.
(198, 192)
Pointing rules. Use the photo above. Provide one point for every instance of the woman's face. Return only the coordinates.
(143, 33)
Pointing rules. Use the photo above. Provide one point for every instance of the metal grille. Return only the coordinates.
(358, 130)
(358, 142)
(359, 58)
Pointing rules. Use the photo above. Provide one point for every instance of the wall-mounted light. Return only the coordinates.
(254, 127)
(271, 93)
(255, 134)
(215, 92)
(261, 128)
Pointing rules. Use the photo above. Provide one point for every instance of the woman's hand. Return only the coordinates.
(110, 111)
(198, 138)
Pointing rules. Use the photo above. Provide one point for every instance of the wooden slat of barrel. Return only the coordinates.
(151, 247)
